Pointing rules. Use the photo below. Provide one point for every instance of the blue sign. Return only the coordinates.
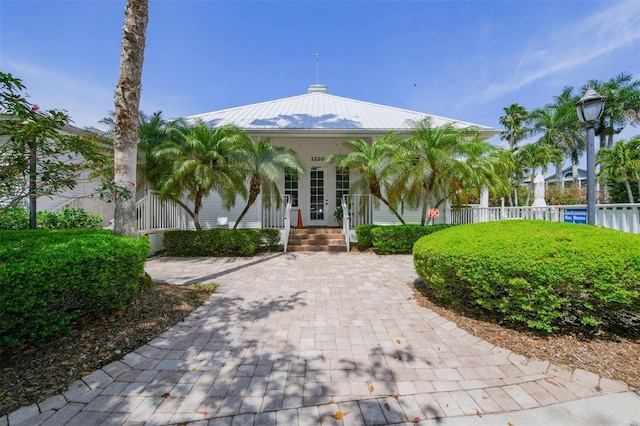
(575, 215)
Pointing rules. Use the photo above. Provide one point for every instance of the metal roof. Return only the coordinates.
(321, 113)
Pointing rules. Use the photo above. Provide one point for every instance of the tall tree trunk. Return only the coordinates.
(559, 177)
(629, 192)
(254, 191)
(127, 105)
(575, 173)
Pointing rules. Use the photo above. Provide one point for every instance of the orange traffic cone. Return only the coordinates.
(300, 226)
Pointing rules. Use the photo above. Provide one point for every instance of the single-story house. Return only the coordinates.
(315, 125)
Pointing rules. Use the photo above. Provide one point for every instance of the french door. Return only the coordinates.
(318, 201)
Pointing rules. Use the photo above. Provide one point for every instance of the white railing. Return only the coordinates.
(622, 217)
(361, 210)
(155, 214)
(287, 223)
(273, 217)
(346, 231)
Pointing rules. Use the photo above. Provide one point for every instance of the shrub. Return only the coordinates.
(17, 218)
(399, 239)
(546, 275)
(14, 218)
(364, 236)
(69, 218)
(50, 278)
(220, 242)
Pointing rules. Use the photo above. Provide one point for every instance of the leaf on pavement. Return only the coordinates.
(166, 395)
(387, 406)
(398, 341)
(551, 382)
(417, 419)
(478, 413)
(339, 415)
(371, 388)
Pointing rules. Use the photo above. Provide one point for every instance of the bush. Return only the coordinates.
(14, 218)
(220, 242)
(546, 275)
(17, 218)
(364, 236)
(68, 218)
(399, 239)
(50, 278)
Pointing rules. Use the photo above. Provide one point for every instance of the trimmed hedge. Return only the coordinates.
(546, 275)
(399, 239)
(221, 242)
(364, 236)
(50, 278)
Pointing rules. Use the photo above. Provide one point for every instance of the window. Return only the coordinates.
(291, 185)
(342, 185)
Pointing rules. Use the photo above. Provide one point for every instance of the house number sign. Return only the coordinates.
(317, 158)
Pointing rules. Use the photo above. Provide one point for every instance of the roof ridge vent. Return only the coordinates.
(317, 88)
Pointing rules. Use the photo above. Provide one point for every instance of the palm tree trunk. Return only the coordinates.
(374, 187)
(253, 195)
(559, 178)
(629, 192)
(127, 105)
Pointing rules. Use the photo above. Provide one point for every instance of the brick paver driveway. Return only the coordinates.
(293, 338)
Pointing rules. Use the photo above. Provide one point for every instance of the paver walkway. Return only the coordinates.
(289, 339)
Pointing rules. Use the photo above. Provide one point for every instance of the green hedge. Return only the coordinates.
(17, 218)
(221, 242)
(364, 236)
(48, 278)
(399, 239)
(546, 275)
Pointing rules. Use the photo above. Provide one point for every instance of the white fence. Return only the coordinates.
(622, 217)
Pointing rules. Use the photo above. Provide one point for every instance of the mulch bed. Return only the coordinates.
(34, 371)
(607, 354)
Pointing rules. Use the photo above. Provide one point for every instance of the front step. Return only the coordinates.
(316, 239)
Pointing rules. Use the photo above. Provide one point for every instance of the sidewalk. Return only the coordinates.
(290, 339)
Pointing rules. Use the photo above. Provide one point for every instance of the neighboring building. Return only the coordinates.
(567, 177)
(315, 125)
(83, 195)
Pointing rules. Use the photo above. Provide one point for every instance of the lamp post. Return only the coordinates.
(590, 108)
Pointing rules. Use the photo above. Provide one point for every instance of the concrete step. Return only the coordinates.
(316, 239)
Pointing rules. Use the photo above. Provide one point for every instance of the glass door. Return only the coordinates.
(318, 201)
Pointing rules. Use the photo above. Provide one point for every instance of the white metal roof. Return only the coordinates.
(323, 113)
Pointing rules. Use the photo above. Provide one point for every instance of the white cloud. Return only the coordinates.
(573, 45)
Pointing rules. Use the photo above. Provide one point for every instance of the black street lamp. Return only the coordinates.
(590, 108)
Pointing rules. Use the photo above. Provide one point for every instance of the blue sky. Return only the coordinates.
(465, 60)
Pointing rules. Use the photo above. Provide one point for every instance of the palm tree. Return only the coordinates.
(559, 127)
(530, 157)
(620, 164)
(373, 162)
(152, 133)
(203, 160)
(436, 161)
(622, 106)
(264, 164)
(127, 104)
(513, 121)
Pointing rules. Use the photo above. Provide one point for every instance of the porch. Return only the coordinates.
(156, 216)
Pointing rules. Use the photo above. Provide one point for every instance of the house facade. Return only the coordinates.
(315, 125)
